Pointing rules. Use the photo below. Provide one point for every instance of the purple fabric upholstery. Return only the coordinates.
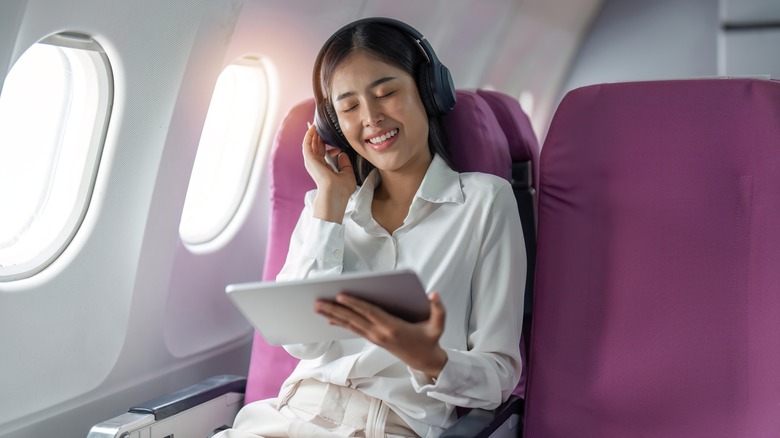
(270, 365)
(477, 143)
(657, 302)
(523, 144)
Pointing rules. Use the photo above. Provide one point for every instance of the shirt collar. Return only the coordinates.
(440, 185)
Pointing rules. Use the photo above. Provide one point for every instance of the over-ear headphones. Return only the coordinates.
(434, 83)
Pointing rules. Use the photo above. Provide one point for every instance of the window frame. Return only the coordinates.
(47, 254)
(216, 234)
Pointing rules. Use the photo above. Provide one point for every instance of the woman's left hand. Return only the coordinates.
(416, 344)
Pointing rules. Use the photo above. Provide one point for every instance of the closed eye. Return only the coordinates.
(350, 109)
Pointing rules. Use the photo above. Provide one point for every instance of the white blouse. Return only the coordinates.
(463, 238)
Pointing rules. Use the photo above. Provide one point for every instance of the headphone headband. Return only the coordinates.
(426, 48)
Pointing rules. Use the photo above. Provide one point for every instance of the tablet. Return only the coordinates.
(283, 312)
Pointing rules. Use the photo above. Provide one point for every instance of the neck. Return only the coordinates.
(400, 187)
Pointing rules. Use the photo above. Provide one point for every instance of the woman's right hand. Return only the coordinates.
(334, 188)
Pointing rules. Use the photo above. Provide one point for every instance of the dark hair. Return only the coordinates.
(392, 46)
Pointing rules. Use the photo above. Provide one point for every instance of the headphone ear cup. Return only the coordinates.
(426, 92)
(436, 89)
(328, 126)
(446, 96)
(341, 140)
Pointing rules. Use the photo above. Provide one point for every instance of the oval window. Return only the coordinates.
(54, 109)
(226, 152)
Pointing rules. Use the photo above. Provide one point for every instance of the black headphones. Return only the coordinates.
(434, 83)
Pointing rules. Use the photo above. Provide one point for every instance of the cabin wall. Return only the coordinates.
(749, 38)
(83, 340)
(636, 40)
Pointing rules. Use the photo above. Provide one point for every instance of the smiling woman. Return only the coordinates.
(460, 233)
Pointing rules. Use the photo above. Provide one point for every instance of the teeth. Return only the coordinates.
(381, 138)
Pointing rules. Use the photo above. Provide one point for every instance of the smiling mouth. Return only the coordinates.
(382, 138)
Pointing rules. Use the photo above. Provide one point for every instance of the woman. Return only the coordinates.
(460, 233)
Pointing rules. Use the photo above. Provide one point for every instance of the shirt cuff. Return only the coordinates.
(462, 382)
(454, 375)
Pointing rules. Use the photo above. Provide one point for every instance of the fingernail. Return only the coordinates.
(308, 124)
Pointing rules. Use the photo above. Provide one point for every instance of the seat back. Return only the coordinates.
(523, 145)
(657, 304)
(289, 182)
(524, 151)
(477, 143)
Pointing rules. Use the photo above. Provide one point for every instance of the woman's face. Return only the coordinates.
(381, 114)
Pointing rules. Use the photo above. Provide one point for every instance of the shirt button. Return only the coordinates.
(337, 252)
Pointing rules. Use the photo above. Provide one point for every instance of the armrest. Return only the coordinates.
(481, 423)
(198, 410)
(171, 404)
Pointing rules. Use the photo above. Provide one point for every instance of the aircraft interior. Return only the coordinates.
(150, 156)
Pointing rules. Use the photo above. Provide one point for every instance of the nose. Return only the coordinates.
(372, 113)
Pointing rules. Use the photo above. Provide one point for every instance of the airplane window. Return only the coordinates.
(226, 152)
(54, 107)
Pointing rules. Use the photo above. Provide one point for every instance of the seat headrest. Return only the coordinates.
(523, 144)
(477, 142)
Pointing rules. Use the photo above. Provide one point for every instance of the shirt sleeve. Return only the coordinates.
(486, 374)
(316, 250)
(316, 247)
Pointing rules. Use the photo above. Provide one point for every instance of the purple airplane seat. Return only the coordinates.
(657, 300)
(524, 151)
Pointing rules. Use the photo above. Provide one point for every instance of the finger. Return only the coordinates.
(373, 323)
(313, 137)
(318, 144)
(338, 312)
(308, 139)
(314, 151)
(343, 317)
(365, 309)
(438, 314)
(344, 162)
(330, 309)
(331, 156)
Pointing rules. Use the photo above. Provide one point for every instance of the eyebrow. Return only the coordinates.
(374, 84)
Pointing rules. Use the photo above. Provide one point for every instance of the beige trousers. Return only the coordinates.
(315, 409)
